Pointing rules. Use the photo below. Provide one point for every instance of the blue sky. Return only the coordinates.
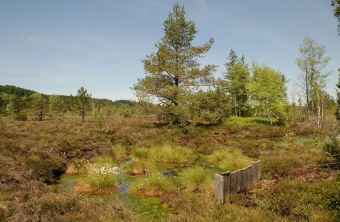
(55, 47)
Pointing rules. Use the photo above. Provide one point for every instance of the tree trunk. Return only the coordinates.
(83, 116)
(307, 93)
(318, 102)
(235, 105)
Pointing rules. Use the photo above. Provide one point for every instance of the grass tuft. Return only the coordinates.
(196, 179)
(151, 185)
(229, 159)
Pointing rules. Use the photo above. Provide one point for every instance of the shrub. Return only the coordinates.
(196, 179)
(278, 167)
(68, 207)
(46, 167)
(331, 150)
(22, 116)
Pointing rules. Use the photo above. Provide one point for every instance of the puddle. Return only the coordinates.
(169, 173)
(122, 188)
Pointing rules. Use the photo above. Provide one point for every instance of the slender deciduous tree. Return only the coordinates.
(267, 92)
(238, 78)
(312, 62)
(56, 105)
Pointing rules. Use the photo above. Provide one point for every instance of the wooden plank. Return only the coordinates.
(257, 170)
(243, 179)
(254, 169)
(226, 182)
(249, 178)
(235, 181)
(219, 188)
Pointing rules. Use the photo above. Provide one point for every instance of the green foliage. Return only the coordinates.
(173, 155)
(247, 121)
(204, 107)
(39, 105)
(119, 153)
(98, 116)
(16, 107)
(151, 185)
(174, 70)
(56, 105)
(331, 150)
(238, 77)
(17, 91)
(54, 206)
(336, 4)
(99, 181)
(229, 160)
(311, 63)
(102, 173)
(78, 164)
(337, 113)
(139, 167)
(141, 153)
(297, 200)
(278, 167)
(267, 92)
(21, 116)
(196, 179)
(83, 100)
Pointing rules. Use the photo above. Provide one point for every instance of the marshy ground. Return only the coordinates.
(133, 169)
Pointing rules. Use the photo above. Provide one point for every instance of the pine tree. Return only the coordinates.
(83, 102)
(237, 77)
(173, 70)
(336, 4)
(232, 60)
(39, 105)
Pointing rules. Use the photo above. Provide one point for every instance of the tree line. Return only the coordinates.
(189, 93)
(21, 104)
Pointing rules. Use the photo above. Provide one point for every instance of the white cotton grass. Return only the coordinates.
(106, 169)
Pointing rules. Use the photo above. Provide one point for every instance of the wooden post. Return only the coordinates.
(243, 178)
(226, 182)
(235, 181)
(257, 170)
(219, 188)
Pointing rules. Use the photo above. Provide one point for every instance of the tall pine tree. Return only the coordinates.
(238, 77)
(173, 71)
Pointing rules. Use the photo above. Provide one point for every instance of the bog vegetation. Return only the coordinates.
(77, 158)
